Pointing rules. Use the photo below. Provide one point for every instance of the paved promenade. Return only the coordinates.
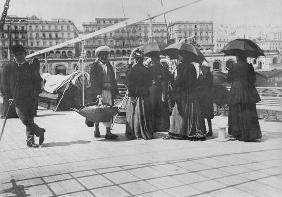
(72, 163)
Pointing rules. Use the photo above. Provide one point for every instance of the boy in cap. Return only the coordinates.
(22, 84)
(103, 85)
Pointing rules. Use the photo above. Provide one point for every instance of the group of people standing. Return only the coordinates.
(159, 101)
(152, 89)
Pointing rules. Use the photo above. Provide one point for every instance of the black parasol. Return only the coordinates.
(243, 47)
(186, 49)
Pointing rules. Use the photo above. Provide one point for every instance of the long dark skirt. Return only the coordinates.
(138, 122)
(243, 122)
(189, 125)
(159, 110)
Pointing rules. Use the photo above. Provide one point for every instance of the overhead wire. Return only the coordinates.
(112, 28)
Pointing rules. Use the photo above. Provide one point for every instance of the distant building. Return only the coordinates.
(202, 32)
(14, 32)
(36, 34)
(46, 33)
(267, 37)
(123, 40)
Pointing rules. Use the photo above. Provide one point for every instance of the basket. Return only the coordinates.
(98, 113)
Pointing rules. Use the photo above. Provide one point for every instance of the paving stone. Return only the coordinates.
(154, 194)
(255, 166)
(83, 173)
(39, 190)
(272, 171)
(189, 178)
(70, 164)
(106, 170)
(235, 169)
(111, 191)
(232, 160)
(182, 191)
(213, 173)
(94, 181)
(232, 180)
(206, 186)
(79, 194)
(63, 187)
(164, 182)
(192, 166)
(272, 182)
(138, 187)
(146, 173)
(169, 169)
(60, 177)
(121, 177)
(30, 182)
(259, 189)
(230, 192)
(212, 162)
(254, 175)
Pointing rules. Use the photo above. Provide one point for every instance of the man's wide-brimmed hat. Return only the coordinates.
(102, 50)
(17, 48)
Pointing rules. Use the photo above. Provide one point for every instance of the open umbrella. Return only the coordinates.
(153, 48)
(244, 47)
(188, 50)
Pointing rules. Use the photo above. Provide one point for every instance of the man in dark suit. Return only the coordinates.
(21, 84)
(103, 85)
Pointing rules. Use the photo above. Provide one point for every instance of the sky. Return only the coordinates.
(256, 12)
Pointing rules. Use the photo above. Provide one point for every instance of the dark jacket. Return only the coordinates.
(186, 80)
(242, 78)
(97, 81)
(138, 80)
(21, 83)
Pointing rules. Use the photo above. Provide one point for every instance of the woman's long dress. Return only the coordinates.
(187, 106)
(138, 119)
(159, 98)
(206, 95)
(243, 119)
(204, 88)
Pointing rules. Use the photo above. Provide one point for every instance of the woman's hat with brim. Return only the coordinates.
(102, 50)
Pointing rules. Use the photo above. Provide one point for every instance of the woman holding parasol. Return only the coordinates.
(243, 121)
(186, 121)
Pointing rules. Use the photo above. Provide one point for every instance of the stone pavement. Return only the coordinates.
(71, 163)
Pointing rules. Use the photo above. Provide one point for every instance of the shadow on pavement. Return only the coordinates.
(270, 135)
(15, 190)
(52, 144)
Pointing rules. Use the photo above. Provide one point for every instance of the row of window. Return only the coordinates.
(194, 26)
(6, 43)
(51, 35)
(50, 27)
(128, 29)
(195, 33)
(14, 27)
